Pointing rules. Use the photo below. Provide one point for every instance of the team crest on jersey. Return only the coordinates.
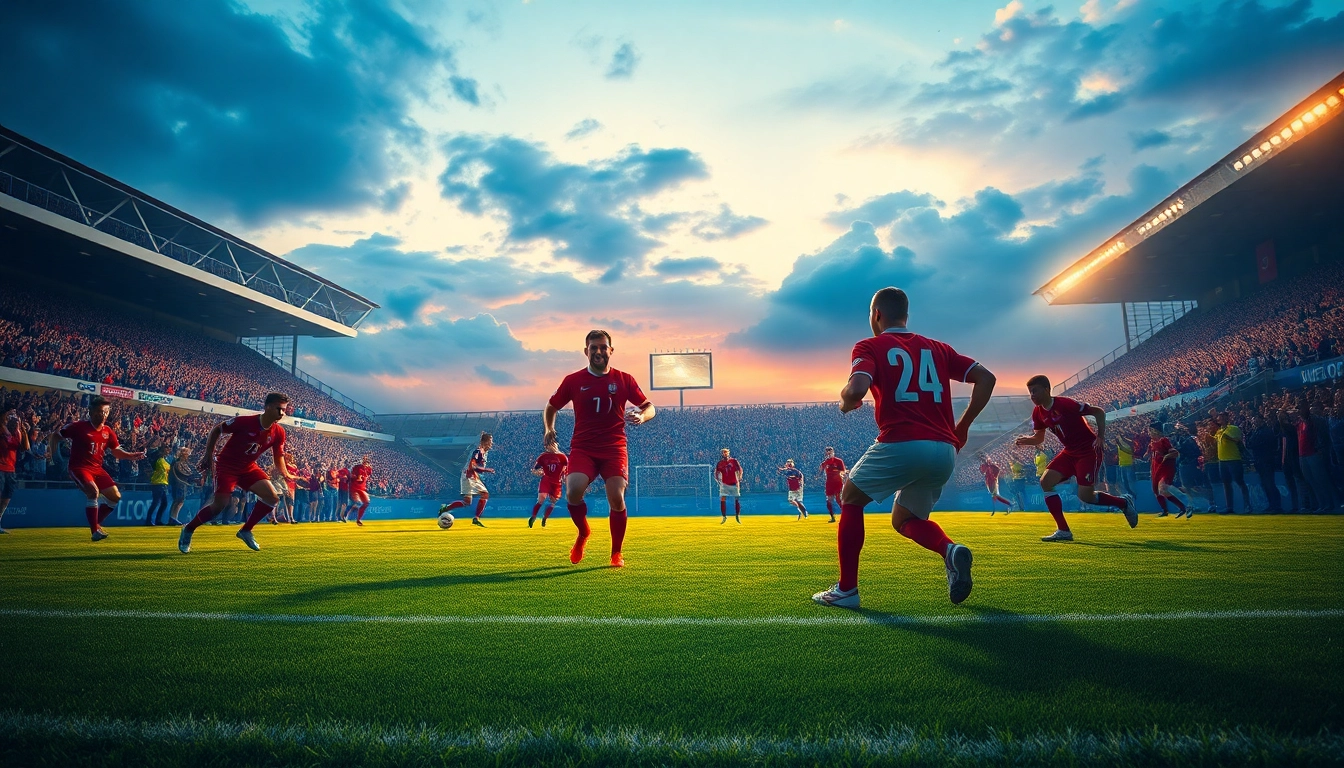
(857, 360)
(611, 388)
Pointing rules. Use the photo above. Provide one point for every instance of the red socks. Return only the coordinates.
(549, 509)
(926, 534)
(536, 508)
(851, 544)
(204, 516)
(456, 505)
(737, 506)
(830, 506)
(579, 514)
(1179, 504)
(362, 509)
(1056, 507)
(480, 506)
(92, 514)
(618, 521)
(1106, 499)
(103, 511)
(1003, 501)
(259, 512)
(723, 507)
(1162, 502)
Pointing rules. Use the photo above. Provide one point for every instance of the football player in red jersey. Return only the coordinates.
(728, 473)
(88, 440)
(471, 480)
(1080, 458)
(599, 394)
(1164, 457)
(990, 471)
(359, 488)
(909, 376)
(833, 469)
(14, 438)
(551, 467)
(236, 467)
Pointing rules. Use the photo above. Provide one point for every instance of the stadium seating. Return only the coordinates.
(140, 426)
(58, 335)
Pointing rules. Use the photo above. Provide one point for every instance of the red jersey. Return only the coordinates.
(343, 479)
(552, 466)
(794, 478)
(1065, 420)
(990, 471)
(477, 463)
(599, 408)
(1157, 454)
(910, 384)
(9, 449)
(729, 469)
(832, 468)
(359, 477)
(247, 441)
(87, 444)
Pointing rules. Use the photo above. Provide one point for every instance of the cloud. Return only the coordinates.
(465, 89)
(392, 198)
(676, 267)
(498, 378)
(726, 225)
(229, 113)
(880, 210)
(1149, 139)
(587, 212)
(623, 62)
(583, 128)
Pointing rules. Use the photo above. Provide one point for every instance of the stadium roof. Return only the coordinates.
(67, 222)
(1283, 185)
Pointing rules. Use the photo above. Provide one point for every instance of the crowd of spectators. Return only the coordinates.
(59, 335)
(161, 432)
(1288, 323)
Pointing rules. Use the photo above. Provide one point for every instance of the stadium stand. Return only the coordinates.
(142, 426)
(50, 333)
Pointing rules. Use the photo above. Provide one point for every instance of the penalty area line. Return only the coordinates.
(834, 618)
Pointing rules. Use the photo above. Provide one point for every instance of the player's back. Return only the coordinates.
(911, 384)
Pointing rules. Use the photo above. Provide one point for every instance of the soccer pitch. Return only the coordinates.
(1211, 641)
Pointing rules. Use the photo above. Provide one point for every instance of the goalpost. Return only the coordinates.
(691, 481)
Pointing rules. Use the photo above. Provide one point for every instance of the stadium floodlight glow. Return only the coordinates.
(1238, 165)
(1275, 140)
(1333, 101)
(1319, 109)
(1286, 133)
(1296, 125)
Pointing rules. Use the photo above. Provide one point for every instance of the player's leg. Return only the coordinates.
(999, 497)
(575, 486)
(481, 499)
(1089, 495)
(536, 508)
(1054, 504)
(219, 501)
(849, 543)
(737, 508)
(84, 482)
(723, 505)
(616, 501)
(267, 498)
(362, 498)
(551, 500)
(1169, 493)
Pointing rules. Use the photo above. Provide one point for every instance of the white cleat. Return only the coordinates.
(250, 540)
(1130, 512)
(1059, 536)
(184, 540)
(99, 535)
(838, 598)
(958, 562)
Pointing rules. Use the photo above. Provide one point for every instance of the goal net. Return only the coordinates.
(691, 486)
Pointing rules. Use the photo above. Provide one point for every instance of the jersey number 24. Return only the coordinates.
(928, 381)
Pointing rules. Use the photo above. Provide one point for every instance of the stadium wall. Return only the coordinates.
(184, 404)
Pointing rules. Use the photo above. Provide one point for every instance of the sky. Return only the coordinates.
(739, 177)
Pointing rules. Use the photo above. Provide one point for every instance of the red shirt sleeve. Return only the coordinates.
(1036, 422)
(862, 361)
(113, 442)
(635, 394)
(955, 364)
(562, 395)
(65, 431)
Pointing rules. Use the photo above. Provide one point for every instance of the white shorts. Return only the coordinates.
(472, 486)
(731, 491)
(915, 471)
(795, 496)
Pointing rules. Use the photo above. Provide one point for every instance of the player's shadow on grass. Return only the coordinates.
(1119, 676)
(434, 582)
(1150, 545)
(102, 556)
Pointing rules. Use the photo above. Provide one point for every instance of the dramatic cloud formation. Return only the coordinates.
(223, 110)
(726, 225)
(623, 62)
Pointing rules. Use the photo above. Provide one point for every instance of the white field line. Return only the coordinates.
(835, 617)
(902, 745)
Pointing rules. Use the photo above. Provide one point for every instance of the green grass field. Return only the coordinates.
(398, 643)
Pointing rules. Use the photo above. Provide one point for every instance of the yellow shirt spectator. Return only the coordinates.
(1041, 464)
(1126, 453)
(160, 474)
(1018, 471)
(1229, 443)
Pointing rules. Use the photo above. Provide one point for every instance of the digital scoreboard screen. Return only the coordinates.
(681, 370)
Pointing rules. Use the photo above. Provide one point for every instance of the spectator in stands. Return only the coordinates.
(1231, 471)
(1263, 443)
(1312, 436)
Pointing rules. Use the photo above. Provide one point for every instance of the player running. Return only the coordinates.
(793, 479)
(728, 473)
(236, 467)
(551, 466)
(359, 488)
(343, 493)
(991, 473)
(598, 448)
(14, 438)
(1079, 459)
(916, 448)
(471, 480)
(88, 441)
(1163, 456)
(833, 469)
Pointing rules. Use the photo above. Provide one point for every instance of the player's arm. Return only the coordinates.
(1035, 438)
(548, 425)
(25, 441)
(982, 383)
(52, 440)
(645, 412)
(851, 397)
(278, 454)
(1099, 416)
(208, 457)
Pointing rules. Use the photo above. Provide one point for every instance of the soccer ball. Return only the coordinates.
(445, 519)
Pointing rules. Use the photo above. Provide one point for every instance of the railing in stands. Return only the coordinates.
(1106, 359)
(318, 384)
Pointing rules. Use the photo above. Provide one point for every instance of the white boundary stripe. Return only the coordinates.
(831, 619)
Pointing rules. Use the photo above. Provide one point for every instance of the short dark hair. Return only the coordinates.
(276, 397)
(98, 401)
(1039, 379)
(892, 303)
(593, 334)
(486, 436)
(829, 448)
